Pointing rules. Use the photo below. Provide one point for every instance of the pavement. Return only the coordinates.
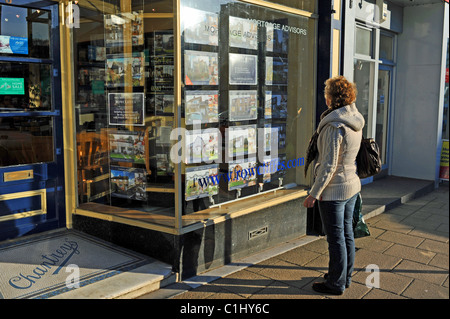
(406, 257)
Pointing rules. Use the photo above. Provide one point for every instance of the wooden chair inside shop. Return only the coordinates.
(93, 168)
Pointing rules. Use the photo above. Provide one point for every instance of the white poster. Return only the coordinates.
(243, 33)
(200, 27)
(242, 174)
(243, 105)
(243, 69)
(201, 181)
(126, 109)
(201, 68)
(202, 106)
(241, 140)
(201, 147)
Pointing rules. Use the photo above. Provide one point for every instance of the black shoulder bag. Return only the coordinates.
(311, 152)
(368, 160)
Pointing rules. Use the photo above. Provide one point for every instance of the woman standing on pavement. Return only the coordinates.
(336, 183)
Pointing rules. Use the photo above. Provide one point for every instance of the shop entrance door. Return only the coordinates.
(31, 157)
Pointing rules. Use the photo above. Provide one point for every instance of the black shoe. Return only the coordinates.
(322, 288)
(326, 276)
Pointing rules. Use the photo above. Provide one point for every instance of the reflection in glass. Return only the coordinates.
(386, 47)
(24, 32)
(125, 54)
(263, 83)
(363, 41)
(383, 97)
(124, 70)
(307, 5)
(25, 140)
(25, 86)
(362, 81)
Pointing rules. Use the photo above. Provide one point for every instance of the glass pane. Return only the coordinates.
(155, 7)
(307, 5)
(247, 108)
(362, 81)
(383, 98)
(25, 140)
(124, 108)
(24, 32)
(25, 87)
(364, 41)
(386, 47)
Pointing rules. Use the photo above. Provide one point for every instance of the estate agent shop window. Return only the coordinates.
(244, 98)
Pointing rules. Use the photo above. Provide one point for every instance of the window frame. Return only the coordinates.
(376, 63)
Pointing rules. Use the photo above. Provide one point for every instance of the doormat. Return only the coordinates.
(54, 263)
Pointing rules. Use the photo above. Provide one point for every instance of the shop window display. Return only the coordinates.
(245, 100)
(125, 107)
(251, 64)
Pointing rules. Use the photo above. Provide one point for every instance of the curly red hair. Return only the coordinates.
(340, 91)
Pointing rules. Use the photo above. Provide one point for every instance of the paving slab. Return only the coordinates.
(414, 254)
(436, 246)
(320, 246)
(419, 214)
(364, 258)
(435, 235)
(420, 289)
(372, 244)
(445, 284)
(396, 226)
(355, 291)
(440, 261)
(434, 210)
(381, 294)
(389, 281)
(399, 238)
(201, 292)
(374, 232)
(299, 256)
(290, 274)
(420, 271)
(440, 218)
(319, 264)
(281, 290)
(244, 283)
(423, 224)
(443, 228)
(225, 294)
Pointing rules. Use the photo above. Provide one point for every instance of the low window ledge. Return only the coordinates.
(165, 222)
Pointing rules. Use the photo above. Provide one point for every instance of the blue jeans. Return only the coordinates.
(337, 219)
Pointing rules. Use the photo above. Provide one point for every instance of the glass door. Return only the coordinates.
(31, 162)
(382, 115)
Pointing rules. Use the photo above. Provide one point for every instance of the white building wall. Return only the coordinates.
(418, 103)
